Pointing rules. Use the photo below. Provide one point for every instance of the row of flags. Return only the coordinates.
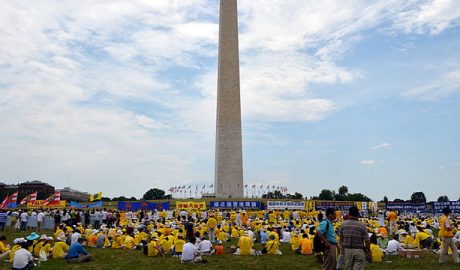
(178, 188)
(11, 201)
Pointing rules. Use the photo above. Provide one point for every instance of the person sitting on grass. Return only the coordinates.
(394, 247)
(219, 248)
(205, 247)
(178, 246)
(190, 253)
(376, 252)
(245, 245)
(77, 253)
(23, 259)
(4, 248)
(60, 248)
(272, 246)
(306, 245)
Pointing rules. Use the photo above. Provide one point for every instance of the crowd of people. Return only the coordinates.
(338, 239)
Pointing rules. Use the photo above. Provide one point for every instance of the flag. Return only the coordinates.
(32, 197)
(53, 199)
(12, 202)
(5, 202)
(95, 197)
(211, 186)
(189, 187)
(204, 186)
(261, 186)
(245, 186)
(253, 186)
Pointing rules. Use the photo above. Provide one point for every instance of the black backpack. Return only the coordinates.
(318, 245)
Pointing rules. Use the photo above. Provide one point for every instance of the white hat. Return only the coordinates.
(19, 240)
(61, 237)
(43, 237)
(50, 238)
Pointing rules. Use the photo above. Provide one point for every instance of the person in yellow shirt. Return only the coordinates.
(129, 242)
(166, 245)
(37, 247)
(16, 246)
(392, 218)
(408, 241)
(178, 246)
(306, 245)
(295, 243)
(45, 251)
(245, 245)
(4, 248)
(60, 248)
(376, 252)
(272, 246)
(446, 232)
(153, 249)
(422, 239)
(211, 224)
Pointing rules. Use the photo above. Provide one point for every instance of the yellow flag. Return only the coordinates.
(95, 197)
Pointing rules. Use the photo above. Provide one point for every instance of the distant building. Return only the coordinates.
(69, 194)
(44, 190)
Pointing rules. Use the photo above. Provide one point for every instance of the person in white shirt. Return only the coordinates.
(23, 258)
(190, 253)
(40, 219)
(75, 236)
(205, 247)
(23, 218)
(393, 247)
(286, 236)
(457, 236)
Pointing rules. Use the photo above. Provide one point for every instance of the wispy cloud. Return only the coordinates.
(380, 146)
(368, 162)
(446, 85)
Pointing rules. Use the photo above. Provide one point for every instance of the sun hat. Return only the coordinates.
(33, 236)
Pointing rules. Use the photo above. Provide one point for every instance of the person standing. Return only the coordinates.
(446, 232)
(354, 241)
(327, 235)
(23, 217)
(3, 216)
(40, 219)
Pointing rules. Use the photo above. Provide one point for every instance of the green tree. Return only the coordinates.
(297, 196)
(154, 194)
(358, 197)
(326, 195)
(398, 201)
(443, 198)
(418, 197)
(343, 190)
(105, 199)
(385, 199)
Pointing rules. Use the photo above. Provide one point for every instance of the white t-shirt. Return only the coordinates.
(24, 216)
(286, 237)
(40, 217)
(189, 251)
(22, 258)
(393, 246)
(204, 246)
(74, 237)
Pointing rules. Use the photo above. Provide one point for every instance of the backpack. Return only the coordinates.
(318, 245)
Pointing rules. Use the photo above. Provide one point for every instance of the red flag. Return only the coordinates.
(5, 202)
(14, 198)
(32, 197)
(53, 199)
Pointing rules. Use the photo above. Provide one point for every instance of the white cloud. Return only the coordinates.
(367, 162)
(447, 85)
(380, 146)
(431, 17)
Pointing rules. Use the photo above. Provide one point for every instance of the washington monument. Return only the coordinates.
(228, 179)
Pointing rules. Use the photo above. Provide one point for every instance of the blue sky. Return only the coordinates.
(120, 96)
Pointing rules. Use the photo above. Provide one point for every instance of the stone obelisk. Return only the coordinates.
(228, 179)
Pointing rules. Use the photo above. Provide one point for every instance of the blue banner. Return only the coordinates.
(453, 205)
(406, 207)
(11, 205)
(91, 205)
(236, 205)
(134, 206)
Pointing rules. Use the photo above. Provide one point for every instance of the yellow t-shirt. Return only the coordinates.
(306, 246)
(295, 242)
(212, 223)
(245, 244)
(377, 254)
(272, 247)
(152, 250)
(443, 232)
(3, 247)
(37, 248)
(59, 250)
(129, 242)
(179, 245)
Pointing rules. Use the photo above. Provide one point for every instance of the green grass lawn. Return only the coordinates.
(134, 259)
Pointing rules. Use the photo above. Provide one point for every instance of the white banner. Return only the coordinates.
(281, 205)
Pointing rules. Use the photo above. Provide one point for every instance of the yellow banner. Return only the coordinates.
(309, 206)
(40, 204)
(191, 205)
